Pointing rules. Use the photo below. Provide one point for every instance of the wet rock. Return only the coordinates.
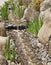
(43, 34)
(3, 60)
(45, 5)
(30, 13)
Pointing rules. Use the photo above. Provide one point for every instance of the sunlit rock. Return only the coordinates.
(49, 63)
(30, 13)
(45, 5)
(45, 32)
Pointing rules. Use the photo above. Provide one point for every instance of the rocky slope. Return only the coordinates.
(30, 50)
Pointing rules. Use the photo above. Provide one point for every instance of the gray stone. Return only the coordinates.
(45, 5)
(30, 13)
(49, 63)
(24, 47)
(45, 31)
(2, 60)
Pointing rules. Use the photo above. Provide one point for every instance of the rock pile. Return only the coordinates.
(30, 50)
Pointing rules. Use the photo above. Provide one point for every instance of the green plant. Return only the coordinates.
(13, 7)
(10, 55)
(4, 11)
(13, 54)
(7, 52)
(19, 11)
(16, 8)
(11, 3)
(34, 26)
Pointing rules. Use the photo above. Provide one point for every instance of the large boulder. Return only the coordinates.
(45, 5)
(45, 32)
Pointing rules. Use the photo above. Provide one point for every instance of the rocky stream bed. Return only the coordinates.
(30, 49)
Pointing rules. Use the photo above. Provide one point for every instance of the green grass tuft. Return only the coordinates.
(19, 11)
(10, 55)
(7, 52)
(34, 26)
(4, 12)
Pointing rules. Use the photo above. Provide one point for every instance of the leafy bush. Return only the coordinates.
(34, 26)
(8, 54)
